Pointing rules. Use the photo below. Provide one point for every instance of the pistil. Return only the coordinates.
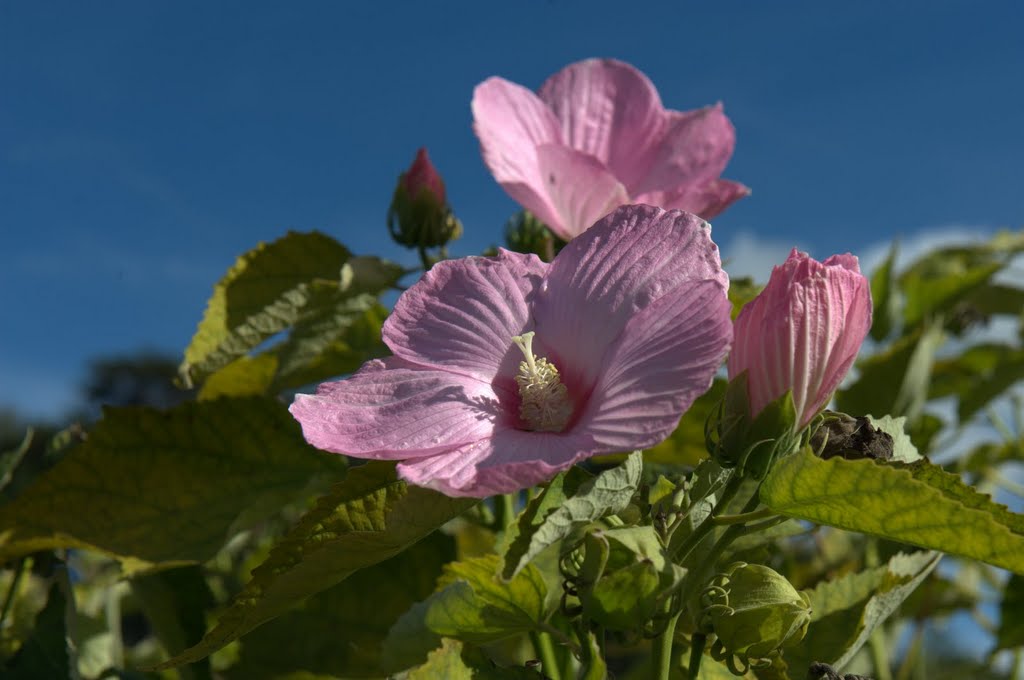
(544, 401)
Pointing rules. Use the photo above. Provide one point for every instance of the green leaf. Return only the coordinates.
(175, 602)
(340, 631)
(335, 338)
(903, 450)
(844, 612)
(474, 605)
(444, 662)
(919, 504)
(886, 307)
(560, 489)
(896, 380)
(1011, 617)
(976, 377)
(157, 486)
(45, 653)
(742, 291)
(366, 519)
(685, 446)
(245, 376)
(605, 494)
(940, 279)
(261, 295)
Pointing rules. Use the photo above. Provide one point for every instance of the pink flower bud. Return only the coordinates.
(802, 333)
(423, 176)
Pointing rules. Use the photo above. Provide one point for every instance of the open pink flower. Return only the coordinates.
(802, 332)
(507, 370)
(595, 137)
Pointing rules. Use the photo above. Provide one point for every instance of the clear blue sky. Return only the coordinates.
(144, 145)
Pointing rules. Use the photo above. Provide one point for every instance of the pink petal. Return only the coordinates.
(506, 462)
(803, 332)
(695, 149)
(665, 359)
(614, 270)
(461, 315)
(389, 410)
(609, 110)
(511, 122)
(706, 200)
(580, 189)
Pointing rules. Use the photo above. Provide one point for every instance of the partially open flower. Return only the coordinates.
(508, 369)
(802, 333)
(596, 136)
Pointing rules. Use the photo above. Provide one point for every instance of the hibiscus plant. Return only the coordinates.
(586, 455)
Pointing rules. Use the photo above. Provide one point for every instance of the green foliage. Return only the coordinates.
(45, 653)
(1010, 634)
(261, 295)
(307, 283)
(366, 519)
(685, 446)
(845, 611)
(919, 504)
(153, 487)
(606, 494)
(175, 602)
(311, 632)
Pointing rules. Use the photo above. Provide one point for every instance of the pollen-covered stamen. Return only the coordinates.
(544, 402)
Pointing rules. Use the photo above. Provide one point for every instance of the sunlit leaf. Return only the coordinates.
(846, 610)
(245, 376)
(605, 494)
(166, 486)
(366, 519)
(475, 605)
(919, 504)
(261, 295)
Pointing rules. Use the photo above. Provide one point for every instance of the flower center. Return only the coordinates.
(544, 402)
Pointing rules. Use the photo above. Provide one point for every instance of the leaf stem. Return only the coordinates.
(562, 638)
(543, 648)
(743, 518)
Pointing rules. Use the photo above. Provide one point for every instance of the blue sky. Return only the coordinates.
(144, 145)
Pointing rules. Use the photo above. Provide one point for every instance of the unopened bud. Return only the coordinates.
(754, 612)
(524, 233)
(419, 216)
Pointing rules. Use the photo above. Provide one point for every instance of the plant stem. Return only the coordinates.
(543, 648)
(508, 511)
(708, 525)
(697, 643)
(12, 591)
(663, 644)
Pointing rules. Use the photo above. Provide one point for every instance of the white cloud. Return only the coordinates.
(747, 254)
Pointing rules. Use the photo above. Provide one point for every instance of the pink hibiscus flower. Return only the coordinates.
(802, 332)
(595, 137)
(507, 370)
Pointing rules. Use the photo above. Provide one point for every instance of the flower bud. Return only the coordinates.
(524, 233)
(419, 216)
(754, 612)
(802, 333)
